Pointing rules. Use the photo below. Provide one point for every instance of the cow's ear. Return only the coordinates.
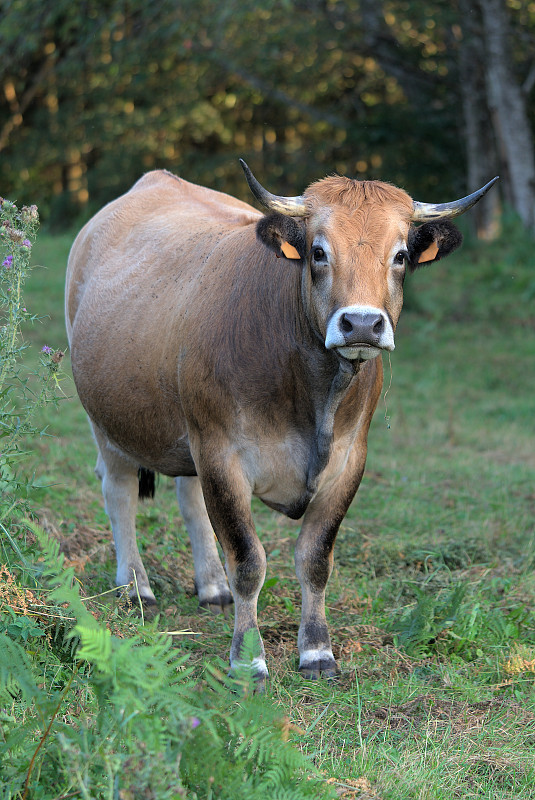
(284, 235)
(431, 242)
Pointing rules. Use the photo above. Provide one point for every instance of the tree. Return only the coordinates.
(498, 132)
(95, 93)
(481, 149)
(508, 112)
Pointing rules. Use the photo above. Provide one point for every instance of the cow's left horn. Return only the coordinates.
(291, 206)
(426, 212)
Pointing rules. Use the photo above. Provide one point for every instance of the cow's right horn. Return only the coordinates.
(290, 206)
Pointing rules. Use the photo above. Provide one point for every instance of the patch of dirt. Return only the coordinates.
(82, 545)
(280, 640)
(365, 635)
(285, 630)
(171, 575)
(349, 789)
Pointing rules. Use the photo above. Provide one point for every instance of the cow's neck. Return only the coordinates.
(332, 376)
(325, 415)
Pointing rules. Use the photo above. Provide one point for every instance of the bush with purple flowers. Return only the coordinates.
(21, 392)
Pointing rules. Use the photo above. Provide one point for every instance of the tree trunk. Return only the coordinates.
(481, 150)
(508, 111)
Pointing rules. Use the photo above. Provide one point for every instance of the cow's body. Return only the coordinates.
(199, 354)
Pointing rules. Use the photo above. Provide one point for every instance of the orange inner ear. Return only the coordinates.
(289, 250)
(429, 254)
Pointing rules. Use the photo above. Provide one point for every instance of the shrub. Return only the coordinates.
(21, 392)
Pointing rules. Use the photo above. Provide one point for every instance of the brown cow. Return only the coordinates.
(238, 353)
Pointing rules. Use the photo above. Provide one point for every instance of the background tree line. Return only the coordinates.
(434, 95)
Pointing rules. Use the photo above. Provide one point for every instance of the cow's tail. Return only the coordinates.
(147, 483)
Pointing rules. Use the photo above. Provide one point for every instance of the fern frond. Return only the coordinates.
(15, 670)
(61, 581)
(95, 647)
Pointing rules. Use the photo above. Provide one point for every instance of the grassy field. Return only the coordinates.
(431, 602)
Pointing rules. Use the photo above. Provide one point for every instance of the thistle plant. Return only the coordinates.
(22, 391)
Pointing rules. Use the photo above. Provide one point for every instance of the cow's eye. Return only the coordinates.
(399, 258)
(318, 254)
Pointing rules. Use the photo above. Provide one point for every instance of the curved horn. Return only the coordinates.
(291, 206)
(425, 212)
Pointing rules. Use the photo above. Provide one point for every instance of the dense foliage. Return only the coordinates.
(96, 93)
(122, 717)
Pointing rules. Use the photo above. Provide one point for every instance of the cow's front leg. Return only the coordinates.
(227, 495)
(314, 564)
(120, 488)
(210, 580)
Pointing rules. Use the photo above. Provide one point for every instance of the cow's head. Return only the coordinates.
(356, 239)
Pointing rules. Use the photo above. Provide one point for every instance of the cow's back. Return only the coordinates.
(136, 277)
(161, 214)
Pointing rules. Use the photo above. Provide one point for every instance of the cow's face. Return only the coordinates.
(357, 248)
(355, 245)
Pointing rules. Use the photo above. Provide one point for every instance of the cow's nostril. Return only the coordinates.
(378, 327)
(345, 324)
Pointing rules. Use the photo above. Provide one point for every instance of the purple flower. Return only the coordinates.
(26, 243)
(7, 262)
(195, 722)
(46, 349)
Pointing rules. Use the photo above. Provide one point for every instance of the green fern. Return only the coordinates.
(419, 628)
(149, 730)
(245, 754)
(16, 672)
(449, 622)
(95, 647)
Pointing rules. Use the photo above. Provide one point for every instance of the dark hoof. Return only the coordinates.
(255, 682)
(217, 605)
(260, 683)
(148, 604)
(323, 668)
(150, 607)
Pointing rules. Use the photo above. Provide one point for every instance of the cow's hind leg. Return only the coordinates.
(227, 494)
(120, 486)
(313, 564)
(210, 580)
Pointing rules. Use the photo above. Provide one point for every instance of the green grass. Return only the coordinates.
(433, 593)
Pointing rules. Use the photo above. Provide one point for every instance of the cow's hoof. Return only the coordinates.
(247, 677)
(217, 605)
(322, 668)
(260, 683)
(242, 688)
(257, 684)
(148, 606)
